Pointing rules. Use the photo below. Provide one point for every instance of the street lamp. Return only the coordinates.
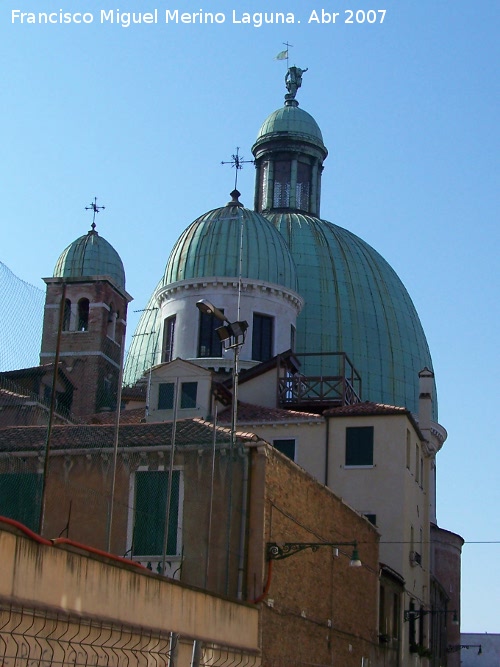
(232, 334)
(414, 614)
(235, 333)
(275, 551)
(457, 647)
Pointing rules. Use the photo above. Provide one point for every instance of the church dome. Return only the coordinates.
(210, 247)
(354, 303)
(89, 256)
(292, 122)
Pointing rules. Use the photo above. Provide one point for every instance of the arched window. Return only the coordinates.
(67, 315)
(83, 315)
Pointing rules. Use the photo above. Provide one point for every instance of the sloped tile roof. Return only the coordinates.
(98, 436)
(365, 408)
(258, 414)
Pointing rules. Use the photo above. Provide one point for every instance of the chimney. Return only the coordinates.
(426, 388)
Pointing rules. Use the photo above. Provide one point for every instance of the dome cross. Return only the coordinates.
(96, 209)
(237, 162)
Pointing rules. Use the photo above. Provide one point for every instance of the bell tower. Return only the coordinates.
(85, 315)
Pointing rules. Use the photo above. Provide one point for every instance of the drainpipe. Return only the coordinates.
(48, 438)
(327, 450)
(243, 526)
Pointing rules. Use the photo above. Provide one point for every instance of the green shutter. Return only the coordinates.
(359, 446)
(150, 512)
(188, 394)
(21, 497)
(165, 396)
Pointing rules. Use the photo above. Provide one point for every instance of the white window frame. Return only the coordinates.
(172, 569)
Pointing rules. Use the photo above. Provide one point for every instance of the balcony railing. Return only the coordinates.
(337, 384)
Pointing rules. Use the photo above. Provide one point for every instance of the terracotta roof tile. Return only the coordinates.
(134, 416)
(366, 408)
(99, 436)
(258, 414)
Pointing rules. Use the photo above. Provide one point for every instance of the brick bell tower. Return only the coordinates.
(87, 301)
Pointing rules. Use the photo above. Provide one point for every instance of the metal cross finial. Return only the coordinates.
(237, 162)
(93, 207)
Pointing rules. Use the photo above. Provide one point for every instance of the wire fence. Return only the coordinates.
(40, 638)
(21, 317)
(169, 498)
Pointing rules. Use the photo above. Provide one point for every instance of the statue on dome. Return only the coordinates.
(293, 81)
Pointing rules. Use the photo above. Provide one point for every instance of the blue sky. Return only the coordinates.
(141, 117)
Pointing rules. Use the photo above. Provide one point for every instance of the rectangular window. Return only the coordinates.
(359, 446)
(303, 185)
(286, 447)
(209, 344)
(395, 615)
(417, 463)
(166, 391)
(189, 391)
(264, 186)
(21, 497)
(382, 622)
(150, 511)
(262, 337)
(168, 339)
(293, 332)
(282, 183)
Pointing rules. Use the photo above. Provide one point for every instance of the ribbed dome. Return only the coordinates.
(210, 247)
(90, 255)
(355, 303)
(292, 121)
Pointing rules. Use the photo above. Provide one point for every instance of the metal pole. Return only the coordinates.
(51, 411)
(170, 475)
(232, 449)
(116, 439)
(210, 512)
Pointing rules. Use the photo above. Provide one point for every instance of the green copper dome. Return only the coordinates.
(90, 255)
(210, 247)
(354, 303)
(293, 122)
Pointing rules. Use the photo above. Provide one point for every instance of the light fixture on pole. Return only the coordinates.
(456, 647)
(232, 334)
(275, 551)
(414, 614)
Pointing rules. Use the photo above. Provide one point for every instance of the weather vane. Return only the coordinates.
(283, 55)
(237, 162)
(93, 207)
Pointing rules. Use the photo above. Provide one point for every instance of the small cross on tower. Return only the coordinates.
(93, 207)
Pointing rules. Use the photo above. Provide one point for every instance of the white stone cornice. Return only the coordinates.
(171, 291)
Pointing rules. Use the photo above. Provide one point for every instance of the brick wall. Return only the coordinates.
(318, 608)
(92, 357)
